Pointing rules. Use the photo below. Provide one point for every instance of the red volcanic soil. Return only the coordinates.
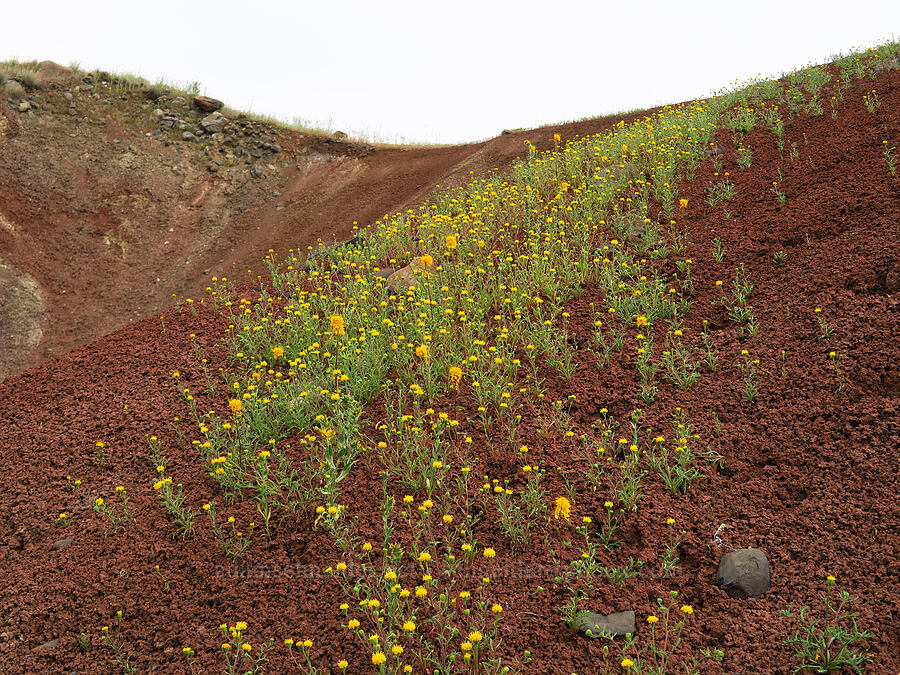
(808, 473)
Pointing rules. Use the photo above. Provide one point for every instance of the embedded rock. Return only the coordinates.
(384, 272)
(14, 90)
(205, 104)
(407, 277)
(617, 624)
(213, 123)
(744, 573)
(890, 64)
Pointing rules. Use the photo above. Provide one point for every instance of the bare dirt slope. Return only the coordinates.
(106, 211)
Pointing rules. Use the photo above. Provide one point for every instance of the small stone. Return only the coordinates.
(188, 136)
(61, 544)
(505, 132)
(617, 624)
(340, 135)
(24, 106)
(256, 172)
(67, 95)
(744, 573)
(715, 150)
(206, 104)
(49, 644)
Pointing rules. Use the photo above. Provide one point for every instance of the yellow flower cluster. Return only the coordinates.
(563, 508)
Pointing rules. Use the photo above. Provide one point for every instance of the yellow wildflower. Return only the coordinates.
(337, 324)
(563, 507)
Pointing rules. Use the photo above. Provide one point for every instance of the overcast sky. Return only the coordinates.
(443, 72)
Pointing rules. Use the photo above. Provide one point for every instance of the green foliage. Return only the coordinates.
(825, 646)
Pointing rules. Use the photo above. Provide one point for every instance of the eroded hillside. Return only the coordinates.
(115, 197)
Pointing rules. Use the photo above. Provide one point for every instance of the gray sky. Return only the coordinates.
(444, 71)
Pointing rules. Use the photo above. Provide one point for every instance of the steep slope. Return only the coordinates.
(804, 469)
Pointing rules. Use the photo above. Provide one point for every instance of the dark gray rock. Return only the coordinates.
(617, 624)
(213, 123)
(49, 644)
(188, 136)
(744, 573)
(61, 544)
(256, 172)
